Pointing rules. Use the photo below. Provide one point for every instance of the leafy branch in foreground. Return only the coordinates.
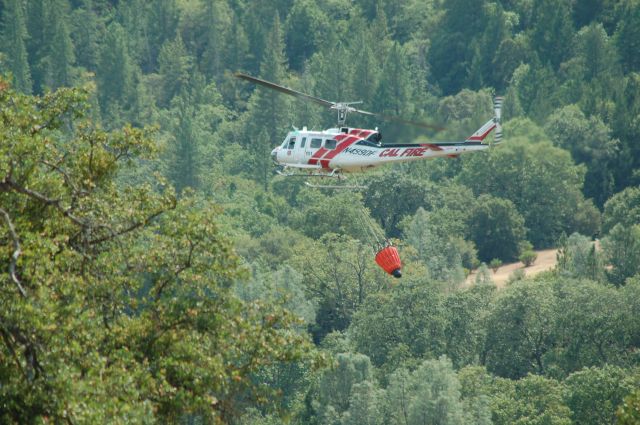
(116, 301)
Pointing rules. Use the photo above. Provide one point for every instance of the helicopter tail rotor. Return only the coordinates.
(497, 107)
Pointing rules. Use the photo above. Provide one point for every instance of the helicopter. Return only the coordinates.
(335, 152)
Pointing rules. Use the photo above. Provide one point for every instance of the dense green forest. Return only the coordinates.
(156, 270)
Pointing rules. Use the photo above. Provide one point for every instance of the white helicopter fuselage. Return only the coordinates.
(348, 150)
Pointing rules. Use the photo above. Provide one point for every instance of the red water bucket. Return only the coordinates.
(389, 260)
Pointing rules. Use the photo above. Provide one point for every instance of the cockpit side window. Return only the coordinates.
(330, 144)
(303, 142)
(292, 143)
(315, 143)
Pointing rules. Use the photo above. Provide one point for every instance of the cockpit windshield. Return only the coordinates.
(375, 138)
(367, 143)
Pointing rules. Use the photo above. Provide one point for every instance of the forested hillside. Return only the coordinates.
(155, 269)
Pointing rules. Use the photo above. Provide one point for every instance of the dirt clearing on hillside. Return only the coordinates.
(546, 261)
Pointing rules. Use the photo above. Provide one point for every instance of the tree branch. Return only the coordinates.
(67, 179)
(9, 344)
(8, 182)
(128, 229)
(16, 252)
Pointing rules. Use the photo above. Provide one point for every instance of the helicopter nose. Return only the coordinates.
(274, 155)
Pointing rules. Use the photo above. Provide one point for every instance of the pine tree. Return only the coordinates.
(365, 75)
(257, 20)
(86, 33)
(36, 24)
(305, 27)
(176, 67)
(236, 46)
(551, 35)
(452, 49)
(132, 16)
(394, 93)
(268, 110)
(12, 39)
(59, 48)
(212, 54)
(184, 147)
(116, 71)
(627, 36)
(161, 26)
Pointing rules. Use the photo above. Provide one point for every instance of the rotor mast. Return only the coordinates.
(343, 109)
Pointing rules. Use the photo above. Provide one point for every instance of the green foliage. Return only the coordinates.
(495, 264)
(465, 329)
(342, 213)
(175, 68)
(305, 25)
(86, 28)
(522, 322)
(59, 47)
(496, 227)
(578, 257)
(627, 36)
(451, 53)
(552, 30)
(116, 74)
(466, 111)
(121, 308)
(393, 95)
(365, 405)
(622, 251)
(474, 387)
(123, 304)
(410, 314)
(591, 330)
(629, 411)
(407, 194)
(429, 394)
(593, 394)
(441, 252)
(483, 275)
(266, 117)
(540, 180)
(13, 34)
(622, 208)
(528, 257)
(336, 386)
(534, 400)
(340, 279)
(589, 142)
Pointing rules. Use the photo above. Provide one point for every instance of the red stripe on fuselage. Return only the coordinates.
(316, 156)
(345, 143)
(430, 146)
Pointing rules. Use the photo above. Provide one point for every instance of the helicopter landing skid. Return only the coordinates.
(335, 186)
(334, 174)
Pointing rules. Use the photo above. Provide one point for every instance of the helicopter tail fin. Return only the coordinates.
(494, 123)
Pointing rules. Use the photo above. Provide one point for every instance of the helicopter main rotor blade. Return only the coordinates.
(341, 106)
(285, 90)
